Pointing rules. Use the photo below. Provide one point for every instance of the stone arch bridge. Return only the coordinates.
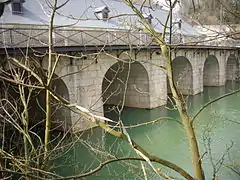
(136, 78)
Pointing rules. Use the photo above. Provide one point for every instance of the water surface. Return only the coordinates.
(217, 129)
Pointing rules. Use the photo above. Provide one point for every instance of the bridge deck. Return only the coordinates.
(19, 38)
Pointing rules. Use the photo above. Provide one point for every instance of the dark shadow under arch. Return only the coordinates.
(12, 107)
(61, 116)
(182, 75)
(232, 68)
(120, 75)
(211, 71)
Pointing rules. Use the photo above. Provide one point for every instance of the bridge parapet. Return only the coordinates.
(35, 36)
(13, 36)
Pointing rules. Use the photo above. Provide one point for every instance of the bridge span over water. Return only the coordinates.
(99, 64)
(102, 74)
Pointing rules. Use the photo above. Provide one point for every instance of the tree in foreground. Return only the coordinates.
(28, 149)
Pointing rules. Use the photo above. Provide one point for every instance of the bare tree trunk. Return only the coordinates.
(49, 79)
(192, 140)
(25, 122)
(180, 103)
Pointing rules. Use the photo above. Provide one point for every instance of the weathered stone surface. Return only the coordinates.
(88, 78)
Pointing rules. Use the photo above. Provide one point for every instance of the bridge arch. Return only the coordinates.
(61, 116)
(132, 76)
(232, 68)
(183, 75)
(211, 71)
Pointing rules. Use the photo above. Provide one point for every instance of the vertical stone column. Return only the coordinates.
(222, 58)
(88, 85)
(85, 88)
(157, 79)
(197, 61)
(67, 69)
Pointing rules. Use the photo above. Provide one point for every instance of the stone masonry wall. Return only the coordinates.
(232, 69)
(131, 78)
(182, 75)
(194, 58)
(85, 85)
(147, 83)
(147, 86)
(211, 71)
(153, 62)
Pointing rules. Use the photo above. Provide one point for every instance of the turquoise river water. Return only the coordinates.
(217, 129)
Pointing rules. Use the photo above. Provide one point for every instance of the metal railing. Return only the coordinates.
(18, 36)
(13, 37)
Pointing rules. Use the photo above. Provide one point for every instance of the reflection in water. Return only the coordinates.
(218, 125)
